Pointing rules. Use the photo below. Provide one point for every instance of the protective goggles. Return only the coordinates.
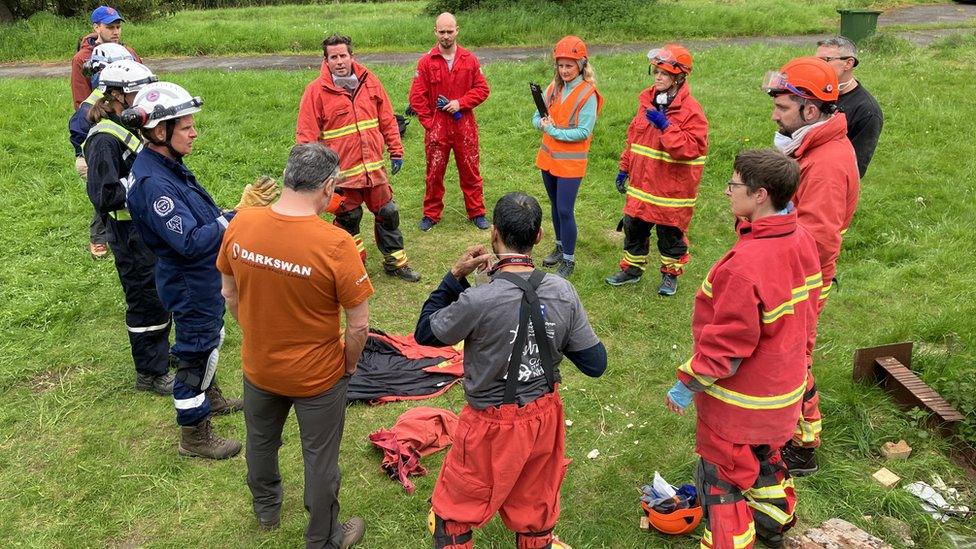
(662, 56)
(776, 83)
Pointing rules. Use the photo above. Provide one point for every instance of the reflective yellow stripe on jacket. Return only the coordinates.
(742, 540)
(751, 402)
(350, 129)
(362, 168)
(798, 295)
(661, 200)
(663, 156)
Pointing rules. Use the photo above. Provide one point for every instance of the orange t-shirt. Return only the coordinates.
(293, 275)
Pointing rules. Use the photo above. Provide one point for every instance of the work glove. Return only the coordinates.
(622, 182)
(81, 167)
(262, 192)
(657, 118)
(680, 394)
(442, 102)
(395, 165)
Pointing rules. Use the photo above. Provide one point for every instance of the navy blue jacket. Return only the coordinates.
(78, 126)
(182, 225)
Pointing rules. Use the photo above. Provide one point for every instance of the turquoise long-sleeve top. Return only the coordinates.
(587, 117)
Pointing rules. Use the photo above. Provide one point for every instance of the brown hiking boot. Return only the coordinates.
(221, 405)
(352, 532)
(199, 441)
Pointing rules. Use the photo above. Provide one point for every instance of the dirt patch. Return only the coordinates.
(45, 382)
(131, 540)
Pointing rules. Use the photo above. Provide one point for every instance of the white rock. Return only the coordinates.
(569, 423)
(593, 454)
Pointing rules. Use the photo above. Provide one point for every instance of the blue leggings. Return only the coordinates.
(562, 195)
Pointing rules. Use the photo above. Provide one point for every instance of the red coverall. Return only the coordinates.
(464, 82)
(753, 315)
(357, 127)
(665, 168)
(825, 203)
(81, 84)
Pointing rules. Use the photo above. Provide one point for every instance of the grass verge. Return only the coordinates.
(402, 26)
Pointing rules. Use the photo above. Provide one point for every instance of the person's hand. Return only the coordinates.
(545, 122)
(622, 182)
(474, 257)
(678, 398)
(657, 118)
(673, 407)
(81, 167)
(395, 165)
(262, 192)
(351, 371)
(453, 106)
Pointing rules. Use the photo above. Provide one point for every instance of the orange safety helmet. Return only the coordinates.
(673, 58)
(677, 522)
(571, 47)
(806, 77)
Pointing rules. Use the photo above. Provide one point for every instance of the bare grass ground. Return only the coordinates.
(89, 462)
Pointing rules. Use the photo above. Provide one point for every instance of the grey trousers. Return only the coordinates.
(320, 421)
(96, 230)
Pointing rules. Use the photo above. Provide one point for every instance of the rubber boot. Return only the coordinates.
(200, 441)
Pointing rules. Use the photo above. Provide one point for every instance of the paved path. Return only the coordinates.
(939, 13)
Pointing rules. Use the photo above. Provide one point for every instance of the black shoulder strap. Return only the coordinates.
(530, 309)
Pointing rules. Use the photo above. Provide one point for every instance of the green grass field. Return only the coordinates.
(87, 461)
(402, 26)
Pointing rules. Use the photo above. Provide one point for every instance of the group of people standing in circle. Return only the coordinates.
(178, 258)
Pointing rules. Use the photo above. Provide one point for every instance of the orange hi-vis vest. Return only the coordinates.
(566, 158)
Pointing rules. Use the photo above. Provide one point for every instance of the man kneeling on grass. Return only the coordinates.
(752, 317)
(508, 455)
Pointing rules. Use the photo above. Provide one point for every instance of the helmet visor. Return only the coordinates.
(775, 83)
(663, 56)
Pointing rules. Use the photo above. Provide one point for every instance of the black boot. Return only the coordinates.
(555, 258)
(800, 461)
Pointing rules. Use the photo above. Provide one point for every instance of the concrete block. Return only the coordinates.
(896, 450)
(886, 478)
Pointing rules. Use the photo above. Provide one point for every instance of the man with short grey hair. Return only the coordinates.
(286, 274)
(864, 116)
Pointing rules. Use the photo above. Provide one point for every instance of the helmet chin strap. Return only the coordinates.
(170, 127)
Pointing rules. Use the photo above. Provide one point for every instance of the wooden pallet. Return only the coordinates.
(888, 366)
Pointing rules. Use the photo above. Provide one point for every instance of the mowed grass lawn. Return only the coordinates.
(87, 461)
(403, 26)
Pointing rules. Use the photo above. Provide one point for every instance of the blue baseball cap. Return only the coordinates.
(106, 15)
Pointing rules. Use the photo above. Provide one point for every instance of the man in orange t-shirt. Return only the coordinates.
(286, 275)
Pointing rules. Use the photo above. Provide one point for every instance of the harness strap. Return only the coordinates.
(530, 310)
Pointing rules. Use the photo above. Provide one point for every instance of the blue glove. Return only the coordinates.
(442, 102)
(622, 182)
(395, 165)
(658, 118)
(680, 394)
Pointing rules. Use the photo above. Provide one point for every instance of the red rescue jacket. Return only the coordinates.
(356, 126)
(567, 158)
(81, 84)
(463, 81)
(665, 167)
(829, 188)
(758, 304)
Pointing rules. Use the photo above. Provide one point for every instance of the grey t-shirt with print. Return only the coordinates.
(486, 318)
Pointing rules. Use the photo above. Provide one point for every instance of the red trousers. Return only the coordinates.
(810, 425)
(757, 491)
(460, 136)
(508, 460)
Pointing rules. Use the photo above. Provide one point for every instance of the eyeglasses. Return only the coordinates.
(734, 184)
(828, 59)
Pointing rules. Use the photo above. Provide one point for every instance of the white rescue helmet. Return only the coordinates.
(104, 55)
(130, 76)
(160, 101)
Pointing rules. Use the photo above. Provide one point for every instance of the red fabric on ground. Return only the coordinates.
(417, 433)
